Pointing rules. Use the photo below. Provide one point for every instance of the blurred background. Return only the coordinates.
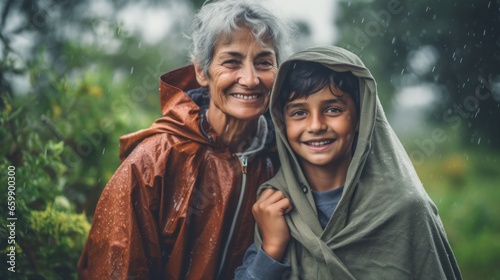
(76, 75)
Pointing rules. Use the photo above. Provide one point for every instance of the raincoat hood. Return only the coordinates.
(178, 110)
(385, 225)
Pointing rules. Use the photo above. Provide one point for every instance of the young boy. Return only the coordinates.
(359, 210)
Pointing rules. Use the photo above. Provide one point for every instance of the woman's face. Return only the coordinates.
(240, 76)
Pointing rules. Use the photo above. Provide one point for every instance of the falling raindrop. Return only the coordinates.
(132, 70)
(479, 141)
(103, 150)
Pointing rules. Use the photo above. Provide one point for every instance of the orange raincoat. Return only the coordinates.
(179, 206)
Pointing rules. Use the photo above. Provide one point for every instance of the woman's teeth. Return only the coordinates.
(246, 97)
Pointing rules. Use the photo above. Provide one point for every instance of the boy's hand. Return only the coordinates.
(269, 212)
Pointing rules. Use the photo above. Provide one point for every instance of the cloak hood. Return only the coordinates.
(385, 225)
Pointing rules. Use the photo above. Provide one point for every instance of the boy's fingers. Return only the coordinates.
(284, 205)
(265, 194)
(272, 201)
(274, 197)
(274, 204)
(288, 209)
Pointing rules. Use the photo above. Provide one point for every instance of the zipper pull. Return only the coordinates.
(244, 164)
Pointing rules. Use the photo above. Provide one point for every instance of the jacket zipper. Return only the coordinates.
(244, 163)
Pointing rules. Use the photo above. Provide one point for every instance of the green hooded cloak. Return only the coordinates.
(385, 225)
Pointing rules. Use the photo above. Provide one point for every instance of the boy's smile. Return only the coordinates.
(321, 128)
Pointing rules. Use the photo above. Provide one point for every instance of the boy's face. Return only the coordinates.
(321, 128)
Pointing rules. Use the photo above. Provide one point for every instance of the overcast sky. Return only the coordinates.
(154, 22)
(318, 13)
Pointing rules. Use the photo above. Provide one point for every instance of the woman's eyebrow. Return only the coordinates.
(232, 54)
(240, 55)
(265, 53)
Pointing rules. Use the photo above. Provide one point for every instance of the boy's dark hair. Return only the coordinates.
(306, 78)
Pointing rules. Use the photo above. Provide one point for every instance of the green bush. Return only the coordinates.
(49, 234)
(62, 140)
(62, 137)
(465, 190)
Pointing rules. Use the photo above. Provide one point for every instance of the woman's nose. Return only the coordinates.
(248, 76)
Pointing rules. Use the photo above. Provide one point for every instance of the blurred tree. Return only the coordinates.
(79, 75)
(71, 83)
(453, 45)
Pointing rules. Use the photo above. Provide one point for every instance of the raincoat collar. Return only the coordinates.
(183, 106)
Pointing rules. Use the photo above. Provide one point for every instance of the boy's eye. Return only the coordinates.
(333, 110)
(297, 114)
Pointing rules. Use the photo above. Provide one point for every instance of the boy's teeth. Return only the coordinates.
(246, 97)
(320, 143)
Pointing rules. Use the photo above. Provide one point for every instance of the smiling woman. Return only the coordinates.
(240, 79)
(179, 206)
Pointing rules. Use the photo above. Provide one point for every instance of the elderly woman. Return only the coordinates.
(179, 206)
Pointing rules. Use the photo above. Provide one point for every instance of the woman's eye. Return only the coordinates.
(231, 62)
(265, 64)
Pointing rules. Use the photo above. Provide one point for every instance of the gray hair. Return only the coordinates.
(223, 17)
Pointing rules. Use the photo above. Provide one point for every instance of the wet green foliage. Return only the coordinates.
(62, 136)
(464, 186)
